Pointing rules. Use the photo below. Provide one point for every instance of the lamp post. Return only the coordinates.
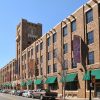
(90, 85)
(63, 81)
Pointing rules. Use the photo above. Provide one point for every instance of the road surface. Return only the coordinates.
(12, 97)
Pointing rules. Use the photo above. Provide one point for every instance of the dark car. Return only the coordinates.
(19, 93)
(44, 94)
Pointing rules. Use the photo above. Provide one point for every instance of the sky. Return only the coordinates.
(47, 12)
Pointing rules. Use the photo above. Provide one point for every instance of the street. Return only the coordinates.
(12, 97)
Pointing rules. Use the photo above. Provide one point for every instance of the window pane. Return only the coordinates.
(73, 26)
(54, 67)
(49, 55)
(55, 53)
(48, 41)
(31, 51)
(54, 37)
(65, 64)
(42, 59)
(49, 69)
(65, 48)
(53, 86)
(37, 48)
(89, 16)
(65, 31)
(28, 53)
(90, 37)
(74, 64)
(71, 86)
(88, 86)
(41, 45)
(91, 57)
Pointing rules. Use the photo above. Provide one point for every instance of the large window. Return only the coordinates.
(88, 85)
(65, 64)
(28, 53)
(89, 16)
(24, 56)
(48, 41)
(49, 69)
(90, 37)
(31, 52)
(91, 58)
(41, 45)
(71, 86)
(41, 59)
(55, 53)
(53, 86)
(54, 37)
(65, 31)
(49, 55)
(65, 48)
(74, 64)
(41, 69)
(55, 67)
(73, 26)
(37, 48)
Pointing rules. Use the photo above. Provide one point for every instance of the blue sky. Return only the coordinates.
(47, 12)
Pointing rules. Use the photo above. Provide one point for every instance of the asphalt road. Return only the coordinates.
(12, 97)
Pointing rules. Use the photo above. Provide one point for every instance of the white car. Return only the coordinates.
(13, 92)
(27, 93)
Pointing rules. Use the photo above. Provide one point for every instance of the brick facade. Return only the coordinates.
(27, 53)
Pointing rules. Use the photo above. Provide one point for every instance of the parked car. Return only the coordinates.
(19, 92)
(5, 91)
(27, 93)
(1, 91)
(44, 94)
(13, 92)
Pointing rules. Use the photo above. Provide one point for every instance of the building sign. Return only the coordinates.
(76, 49)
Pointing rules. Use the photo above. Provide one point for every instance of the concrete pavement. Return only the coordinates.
(12, 97)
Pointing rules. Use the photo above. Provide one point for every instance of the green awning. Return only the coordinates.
(69, 77)
(95, 73)
(29, 82)
(23, 84)
(13, 84)
(51, 80)
(4, 85)
(8, 84)
(38, 81)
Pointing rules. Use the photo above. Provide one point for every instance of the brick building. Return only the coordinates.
(63, 57)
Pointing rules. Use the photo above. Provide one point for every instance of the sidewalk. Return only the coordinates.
(78, 99)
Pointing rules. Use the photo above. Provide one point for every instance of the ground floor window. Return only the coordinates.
(88, 85)
(31, 87)
(71, 85)
(40, 86)
(53, 86)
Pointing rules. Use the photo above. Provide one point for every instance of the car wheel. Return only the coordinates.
(27, 96)
(32, 96)
(41, 97)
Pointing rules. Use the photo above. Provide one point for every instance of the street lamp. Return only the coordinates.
(90, 85)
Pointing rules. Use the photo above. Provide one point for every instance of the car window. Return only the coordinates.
(42, 90)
